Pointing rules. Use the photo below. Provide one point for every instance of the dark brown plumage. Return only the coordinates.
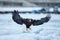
(28, 22)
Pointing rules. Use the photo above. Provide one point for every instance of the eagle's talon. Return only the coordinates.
(27, 29)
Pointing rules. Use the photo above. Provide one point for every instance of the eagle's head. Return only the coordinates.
(28, 20)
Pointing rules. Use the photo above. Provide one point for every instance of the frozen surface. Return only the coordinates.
(9, 30)
(20, 8)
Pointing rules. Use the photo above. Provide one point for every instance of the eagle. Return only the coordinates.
(28, 22)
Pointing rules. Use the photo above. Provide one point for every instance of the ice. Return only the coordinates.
(20, 8)
(9, 30)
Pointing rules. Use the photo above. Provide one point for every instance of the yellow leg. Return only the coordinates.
(26, 29)
(29, 28)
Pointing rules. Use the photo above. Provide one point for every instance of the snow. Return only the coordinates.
(20, 8)
(9, 30)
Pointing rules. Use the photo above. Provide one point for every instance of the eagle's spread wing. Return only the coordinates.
(18, 19)
(43, 20)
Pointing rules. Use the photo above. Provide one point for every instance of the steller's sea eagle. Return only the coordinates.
(28, 22)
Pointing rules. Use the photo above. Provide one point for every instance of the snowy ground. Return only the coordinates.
(9, 30)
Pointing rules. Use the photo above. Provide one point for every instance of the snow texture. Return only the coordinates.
(9, 30)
